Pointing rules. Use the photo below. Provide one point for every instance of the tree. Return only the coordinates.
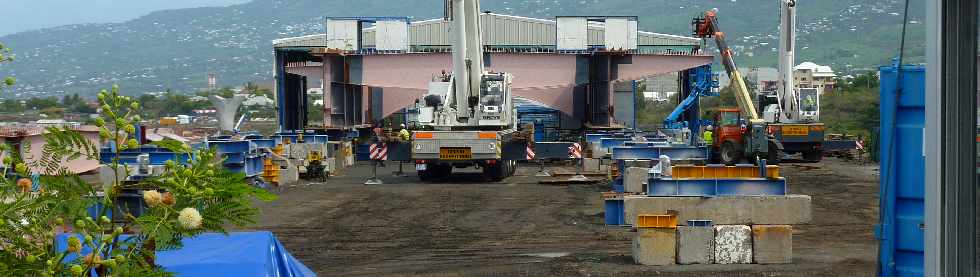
(189, 198)
(11, 105)
(75, 104)
(35, 103)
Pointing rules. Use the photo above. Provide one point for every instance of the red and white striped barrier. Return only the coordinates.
(859, 145)
(530, 153)
(575, 151)
(379, 151)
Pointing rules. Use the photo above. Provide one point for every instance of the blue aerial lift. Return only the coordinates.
(697, 82)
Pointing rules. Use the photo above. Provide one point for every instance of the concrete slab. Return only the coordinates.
(591, 165)
(733, 244)
(695, 245)
(773, 244)
(655, 246)
(635, 179)
(747, 210)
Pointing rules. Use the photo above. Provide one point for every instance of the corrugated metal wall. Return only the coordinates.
(505, 30)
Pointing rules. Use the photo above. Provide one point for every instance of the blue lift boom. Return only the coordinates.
(702, 82)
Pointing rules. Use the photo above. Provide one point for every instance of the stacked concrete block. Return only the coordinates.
(695, 244)
(635, 179)
(773, 244)
(733, 244)
(725, 210)
(591, 165)
(655, 246)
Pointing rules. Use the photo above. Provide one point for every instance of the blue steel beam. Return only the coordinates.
(594, 138)
(682, 153)
(715, 187)
(606, 143)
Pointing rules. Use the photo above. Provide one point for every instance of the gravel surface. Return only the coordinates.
(466, 226)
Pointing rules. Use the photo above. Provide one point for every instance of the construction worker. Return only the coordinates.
(404, 134)
(809, 103)
(708, 136)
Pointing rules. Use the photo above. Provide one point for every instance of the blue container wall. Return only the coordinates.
(902, 181)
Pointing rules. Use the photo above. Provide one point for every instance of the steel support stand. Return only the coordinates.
(541, 171)
(374, 175)
(578, 171)
(400, 172)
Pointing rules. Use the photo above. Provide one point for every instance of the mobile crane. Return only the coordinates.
(792, 113)
(736, 138)
(467, 117)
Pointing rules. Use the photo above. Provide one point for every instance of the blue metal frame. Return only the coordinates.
(715, 187)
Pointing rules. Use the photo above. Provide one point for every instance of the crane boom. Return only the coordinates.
(468, 52)
(786, 97)
(754, 135)
(708, 27)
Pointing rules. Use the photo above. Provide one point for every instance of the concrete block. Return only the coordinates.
(725, 210)
(733, 244)
(695, 245)
(773, 244)
(635, 179)
(655, 246)
(591, 165)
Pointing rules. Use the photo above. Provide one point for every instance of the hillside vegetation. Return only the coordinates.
(176, 49)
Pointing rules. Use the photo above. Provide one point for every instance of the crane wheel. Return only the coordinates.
(775, 155)
(813, 156)
(730, 154)
(494, 173)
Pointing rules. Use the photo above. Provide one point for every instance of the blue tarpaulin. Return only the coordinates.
(235, 254)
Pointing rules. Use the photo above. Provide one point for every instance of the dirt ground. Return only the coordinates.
(467, 227)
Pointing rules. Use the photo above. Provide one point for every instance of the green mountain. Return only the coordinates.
(176, 49)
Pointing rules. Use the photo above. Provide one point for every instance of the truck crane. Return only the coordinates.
(736, 137)
(467, 117)
(792, 113)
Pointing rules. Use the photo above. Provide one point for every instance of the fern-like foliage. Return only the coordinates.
(63, 145)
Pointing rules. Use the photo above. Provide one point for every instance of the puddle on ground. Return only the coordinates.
(548, 254)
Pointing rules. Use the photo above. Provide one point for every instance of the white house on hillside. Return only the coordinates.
(811, 75)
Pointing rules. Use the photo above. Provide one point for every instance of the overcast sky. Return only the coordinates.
(23, 15)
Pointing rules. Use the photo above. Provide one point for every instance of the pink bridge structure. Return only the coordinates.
(362, 86)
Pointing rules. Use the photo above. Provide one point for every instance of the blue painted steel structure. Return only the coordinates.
(902, 191)
(240, 156)
(551, 150)
(701, 82)
(546, 121)
(606, 143)
(614, 211)
(676, 153)
(715, 187)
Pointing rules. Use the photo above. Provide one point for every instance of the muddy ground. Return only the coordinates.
(467, 227)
